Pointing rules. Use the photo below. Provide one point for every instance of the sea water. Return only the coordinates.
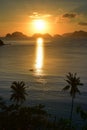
(17, 63)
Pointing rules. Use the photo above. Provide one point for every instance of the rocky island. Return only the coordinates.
(1, 43)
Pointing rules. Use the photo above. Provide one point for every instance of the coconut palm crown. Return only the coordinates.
(18, 92)
(73, 83)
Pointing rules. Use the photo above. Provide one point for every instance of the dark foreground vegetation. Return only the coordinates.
(17, 116)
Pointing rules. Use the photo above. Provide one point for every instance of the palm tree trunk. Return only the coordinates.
(71, 112)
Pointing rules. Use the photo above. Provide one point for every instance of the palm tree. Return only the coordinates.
(73, 83)
(18, 92)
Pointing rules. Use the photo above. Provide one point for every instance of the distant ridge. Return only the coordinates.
(76, 34)
(16, 35)
(20, 36)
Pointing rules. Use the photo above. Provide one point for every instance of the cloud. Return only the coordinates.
(69, 15)
(38, 15)
(65, 18)
(82, 23)
(34, 15)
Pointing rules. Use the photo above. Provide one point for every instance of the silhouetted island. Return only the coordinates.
(1, 43)
(20, 36)
(76, 34)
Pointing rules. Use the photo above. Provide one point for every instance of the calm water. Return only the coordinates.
(43, 66)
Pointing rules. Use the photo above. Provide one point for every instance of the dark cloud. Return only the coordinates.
(83, 23)
(69, 15)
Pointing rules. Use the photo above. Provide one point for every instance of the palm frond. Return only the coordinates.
(18, 92)
(73, 83)
(66, 88)
(78, 91)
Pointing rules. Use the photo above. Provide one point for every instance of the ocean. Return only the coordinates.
(43, 66)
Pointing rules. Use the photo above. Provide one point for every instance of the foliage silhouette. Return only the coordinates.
(18, 92)
(83, 115)
(73, 83)
(24, 117)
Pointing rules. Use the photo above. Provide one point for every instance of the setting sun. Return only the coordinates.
(39, 25)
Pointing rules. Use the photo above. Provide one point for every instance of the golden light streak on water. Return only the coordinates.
(39, 56)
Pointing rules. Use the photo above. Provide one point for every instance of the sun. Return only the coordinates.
(39, 25)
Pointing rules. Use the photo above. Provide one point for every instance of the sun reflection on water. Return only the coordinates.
(39, 56)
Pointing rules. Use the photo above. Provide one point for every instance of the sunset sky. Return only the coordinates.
(57, 16)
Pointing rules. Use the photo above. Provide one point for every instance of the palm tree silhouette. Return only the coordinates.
(18, 92)
(73, 83)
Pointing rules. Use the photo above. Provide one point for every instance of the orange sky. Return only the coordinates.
(59, 16)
